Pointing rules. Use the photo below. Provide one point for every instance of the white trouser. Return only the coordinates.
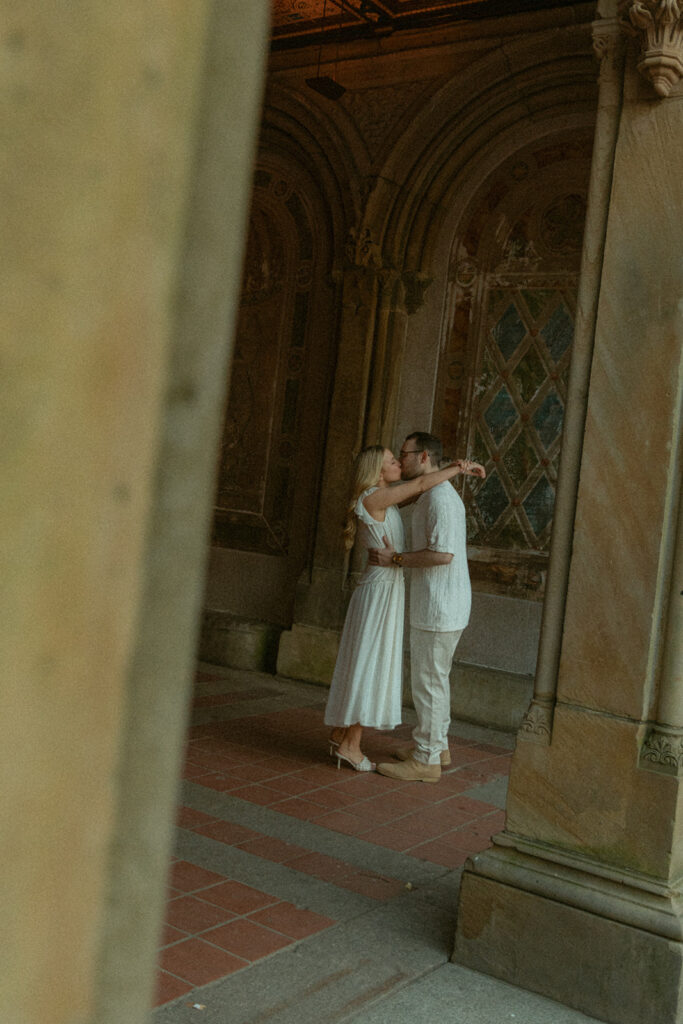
(431, 657)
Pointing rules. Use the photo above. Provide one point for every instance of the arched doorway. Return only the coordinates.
(271, 452)
(502, 382)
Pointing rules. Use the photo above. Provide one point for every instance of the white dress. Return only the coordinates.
(366, 684)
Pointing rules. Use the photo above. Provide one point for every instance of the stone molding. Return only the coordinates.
(607, 45)
(537, 724)
(659, 23)
(662, 751)
(630, 898)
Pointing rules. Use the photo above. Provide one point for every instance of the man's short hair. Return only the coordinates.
(428, 443)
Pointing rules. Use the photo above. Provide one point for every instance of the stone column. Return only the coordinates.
(375, 302)
(358, 415)
(309, 649)
(125, 197)
(579, 898)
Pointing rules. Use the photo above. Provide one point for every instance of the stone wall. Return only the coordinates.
(447, 187)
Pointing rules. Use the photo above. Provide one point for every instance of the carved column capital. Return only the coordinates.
(537, 724)
(361, 248)
(659, 24)
(605, 32)
(608, 45)
(662, 751)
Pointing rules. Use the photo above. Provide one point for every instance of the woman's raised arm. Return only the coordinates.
(383, 497)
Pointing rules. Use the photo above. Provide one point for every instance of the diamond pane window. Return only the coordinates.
(491, 500)
(517, 416)
(520, 460)
(528, 375)
(500, 415)
(509, 331)
(539, 505)
(558, 332)
(548, 419)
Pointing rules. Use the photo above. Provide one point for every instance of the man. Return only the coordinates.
(440, 601)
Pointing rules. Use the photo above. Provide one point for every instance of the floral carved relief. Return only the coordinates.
(660, 24)
(662, 751)
(537, 722)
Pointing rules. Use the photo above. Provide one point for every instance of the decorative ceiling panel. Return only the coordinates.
(302, 22)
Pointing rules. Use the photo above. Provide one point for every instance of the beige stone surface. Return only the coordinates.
(100, 103)
(227, 641)
(591, 856)
(609, 970)
(619, 561)
(586, 794)
(97, 102)
(308, 653)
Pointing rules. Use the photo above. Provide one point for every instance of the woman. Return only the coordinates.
(366, 684)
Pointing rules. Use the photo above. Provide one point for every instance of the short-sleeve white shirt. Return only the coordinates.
(440, 595)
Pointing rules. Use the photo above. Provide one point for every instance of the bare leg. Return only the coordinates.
(350, 745)
(337, 735)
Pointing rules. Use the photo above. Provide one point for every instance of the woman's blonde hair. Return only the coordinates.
(367, 467)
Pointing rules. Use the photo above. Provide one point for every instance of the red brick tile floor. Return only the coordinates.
(278, 759)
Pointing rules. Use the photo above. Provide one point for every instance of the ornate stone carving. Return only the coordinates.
(537, 723)
(378, 111)
(606, 32)
(662, 751)
(464, 272)
(660, 23)
(362, 250)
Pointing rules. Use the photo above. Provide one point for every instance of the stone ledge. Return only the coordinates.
(482, 696)
(490, 697)
(576, 954)
(308, 653)
(628, 897)
(232, 642)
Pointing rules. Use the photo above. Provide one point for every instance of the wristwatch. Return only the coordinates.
(397, 558)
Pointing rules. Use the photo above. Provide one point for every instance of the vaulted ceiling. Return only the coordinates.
(304, 22)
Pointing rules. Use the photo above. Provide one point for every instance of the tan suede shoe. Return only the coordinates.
(411, 771)
(403, 753)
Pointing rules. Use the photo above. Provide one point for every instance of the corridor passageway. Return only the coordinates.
(300, 892)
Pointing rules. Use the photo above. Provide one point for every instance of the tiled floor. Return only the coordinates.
(266, 815)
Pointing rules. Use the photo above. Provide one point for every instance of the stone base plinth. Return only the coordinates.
(608, 948)
(308, 653)
(483, 696)
(238, 643)
(489, 697)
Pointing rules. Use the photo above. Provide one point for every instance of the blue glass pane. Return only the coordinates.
(539, 505)
(548, 419)
(500, 415)
(491, 500)
(509, 331)
(558, 332)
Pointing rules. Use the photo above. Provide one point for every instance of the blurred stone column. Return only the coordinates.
(129, 132)
(579, 898)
